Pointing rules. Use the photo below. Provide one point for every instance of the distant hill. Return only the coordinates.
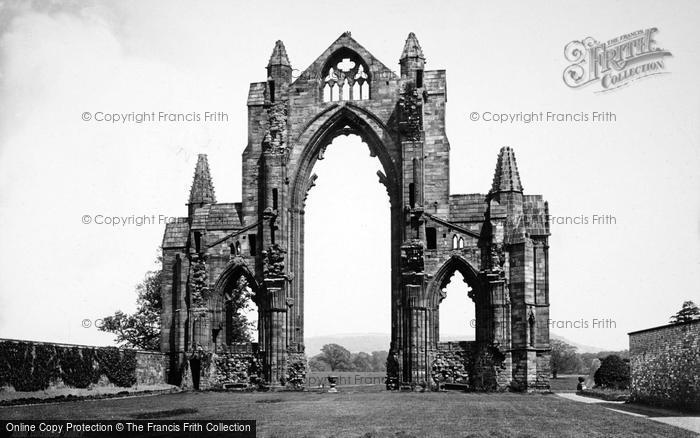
(369, 342)
(579, 347)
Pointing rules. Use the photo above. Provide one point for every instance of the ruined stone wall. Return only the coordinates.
(235, 366)
(452, 363)
(665, 365)
(490, 239)
(472, 366)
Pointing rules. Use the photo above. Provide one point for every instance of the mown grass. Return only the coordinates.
(359, 413)
(346, 378)
(564, 382)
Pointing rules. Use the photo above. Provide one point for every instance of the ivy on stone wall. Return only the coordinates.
(119, 366)
(295, 377)
(239, 369)
(79, 367)
(668, 379)
(19, 369)
(232, 368)
(33, 367)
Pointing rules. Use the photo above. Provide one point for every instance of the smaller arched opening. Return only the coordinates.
(456, 291)
(345, 77)
(236, 311)
(457, 311)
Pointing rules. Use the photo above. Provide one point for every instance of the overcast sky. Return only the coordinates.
(61, 59)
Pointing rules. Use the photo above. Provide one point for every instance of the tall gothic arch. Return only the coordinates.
(498, 240)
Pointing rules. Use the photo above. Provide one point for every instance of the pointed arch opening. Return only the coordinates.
(345, 77)
(370, 138)
(457, 310)
(456, 291)
(346, 120)
(235, 310)
(356, 283)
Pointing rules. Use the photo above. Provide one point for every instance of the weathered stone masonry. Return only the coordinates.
(665, 365)
(498, 241)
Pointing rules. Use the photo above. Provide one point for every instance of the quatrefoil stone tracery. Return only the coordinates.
(346, 80)
(346, 65)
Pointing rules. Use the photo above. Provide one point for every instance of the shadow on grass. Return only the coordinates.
(269, 400)
(163, 414)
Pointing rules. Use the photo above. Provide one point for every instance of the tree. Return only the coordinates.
(614, 372)
(237, 301)
(316, 364)
(142, 328)
(337, 357)
(362, 362)
(589, 358)
(564, 358)
(379, 360)
(688, 312)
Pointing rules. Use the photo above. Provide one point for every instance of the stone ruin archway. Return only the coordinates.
(477, 294)
(234, 287)
(336, 121)
(498, 241)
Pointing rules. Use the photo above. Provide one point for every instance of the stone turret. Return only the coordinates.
(279, 73)
(506, 198)
(506, 178)
(412, 60)
(202, 191)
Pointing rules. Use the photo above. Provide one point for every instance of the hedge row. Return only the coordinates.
(32, 367)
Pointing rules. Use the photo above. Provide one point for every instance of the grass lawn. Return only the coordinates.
(564, 382)
(367, 414)
(346, 378)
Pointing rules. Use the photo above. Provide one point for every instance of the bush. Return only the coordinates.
(614, 372)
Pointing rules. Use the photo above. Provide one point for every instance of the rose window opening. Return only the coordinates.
(346, 79)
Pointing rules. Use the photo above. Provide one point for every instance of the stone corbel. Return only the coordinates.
(309, 185)
(384, 180)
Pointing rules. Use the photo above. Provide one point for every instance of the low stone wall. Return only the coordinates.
(452, 363)
(235, 366)
(665, 366)
(29, 366)
(227, 370)
(476, 366)
(151, 367)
